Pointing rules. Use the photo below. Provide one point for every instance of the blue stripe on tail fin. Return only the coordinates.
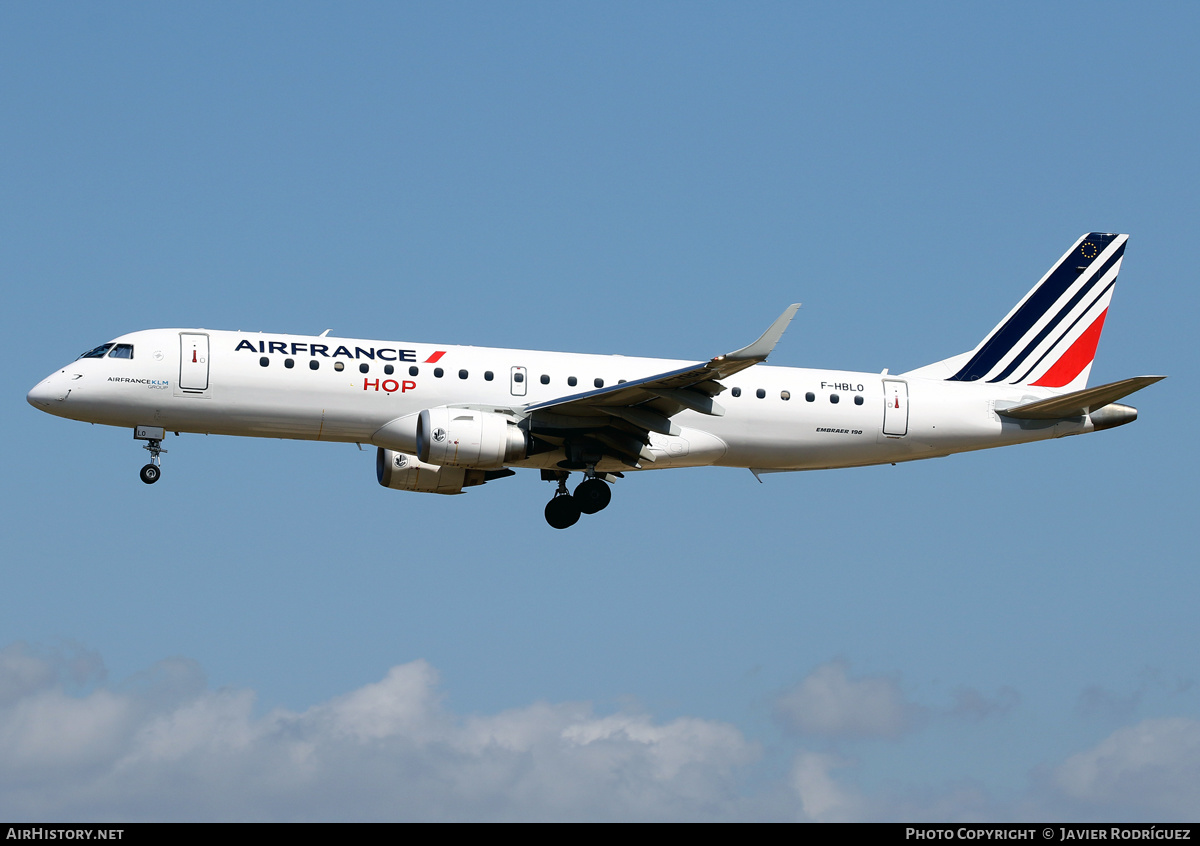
(1049, 338)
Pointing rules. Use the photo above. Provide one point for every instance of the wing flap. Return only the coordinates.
(644, 418)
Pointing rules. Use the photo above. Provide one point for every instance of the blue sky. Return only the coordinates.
(268, 634)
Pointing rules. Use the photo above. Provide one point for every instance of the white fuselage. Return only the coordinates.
(338, 389)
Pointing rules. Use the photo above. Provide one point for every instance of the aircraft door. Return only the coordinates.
(518, 380)
(895, 408)
(193, 362)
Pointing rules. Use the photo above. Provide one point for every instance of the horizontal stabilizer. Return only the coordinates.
(1078, 403)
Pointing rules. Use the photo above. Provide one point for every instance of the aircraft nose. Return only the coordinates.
(44, 393)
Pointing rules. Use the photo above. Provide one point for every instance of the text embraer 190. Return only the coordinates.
(446, 418)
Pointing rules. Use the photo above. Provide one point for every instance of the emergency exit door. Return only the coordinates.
(193, 362)
(517, 381)
(895, 408)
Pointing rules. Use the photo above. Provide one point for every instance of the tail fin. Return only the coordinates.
(1049, 339)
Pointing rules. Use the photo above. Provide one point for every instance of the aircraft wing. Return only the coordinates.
(617, 419)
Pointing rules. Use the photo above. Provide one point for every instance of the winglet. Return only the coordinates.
(760, 349)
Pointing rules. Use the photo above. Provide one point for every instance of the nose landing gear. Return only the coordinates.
(152, 472)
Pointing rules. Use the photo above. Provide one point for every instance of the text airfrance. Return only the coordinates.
(296, 348)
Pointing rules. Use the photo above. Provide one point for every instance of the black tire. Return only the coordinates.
(593, 495)
(562, 512)
(150, 474)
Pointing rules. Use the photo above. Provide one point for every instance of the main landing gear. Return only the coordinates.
(591, 496)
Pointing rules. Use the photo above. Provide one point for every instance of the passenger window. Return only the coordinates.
(122, 351)
(518, 377)
(737, 392)
(545, 379)
(572, 381)
(289, 363)
(264, 361)
(785, 395)
(760, 393)
(487, 375)
(810, 397)
(835, 399)
(339, 366)
(388, 370)
(858, 400)
(462, 374)
(599, 383)
(438, 372)
(621, 381)
(364, 368)
(413, 371)
(314, 364)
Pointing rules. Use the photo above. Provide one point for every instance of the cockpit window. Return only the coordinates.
(98, 352)
(122, 351)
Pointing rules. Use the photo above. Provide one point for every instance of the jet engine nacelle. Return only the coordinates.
(464, 437)
(404, 472)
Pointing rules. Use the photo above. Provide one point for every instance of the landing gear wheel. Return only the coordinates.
(562, 512)
(592, 495)
(151, 472)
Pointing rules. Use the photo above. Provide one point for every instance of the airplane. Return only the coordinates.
(446, 418)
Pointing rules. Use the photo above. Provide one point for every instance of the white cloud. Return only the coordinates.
(1151, 766)
(389, 750)
(24, 669)
(829, 702)
(822, 798)
(163, 746)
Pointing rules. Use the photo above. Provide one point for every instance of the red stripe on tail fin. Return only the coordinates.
(1079, 356)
